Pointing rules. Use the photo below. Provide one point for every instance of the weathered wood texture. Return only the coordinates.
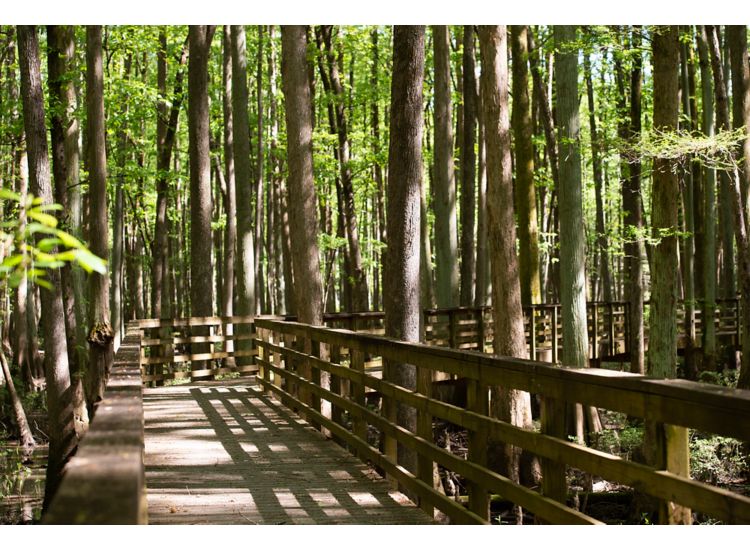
(224, 453)
(105, 482)
(673, 402)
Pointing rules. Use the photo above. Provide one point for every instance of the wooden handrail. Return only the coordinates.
(105, 482)
(669, 402)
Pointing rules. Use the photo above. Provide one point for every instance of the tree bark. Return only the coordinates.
(662, 352)
(735, 195)
(510, 405)
(62, 435)
(468, 170)
(230, 201)
(525, 190)
(401, 292)
(302, 210)
(60, 48)
(446, 239)
(100, 336)
(602, 244)
(245, 263)
(201, 267)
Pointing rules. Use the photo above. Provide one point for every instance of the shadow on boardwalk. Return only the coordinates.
(224, 453)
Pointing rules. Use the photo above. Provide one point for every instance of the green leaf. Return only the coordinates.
(48, 244)
(69, 240)
(40, 228)
(7, 194)
(48, 207)
(12, 261)
(43, 283)
(91, 262)
(45, 219)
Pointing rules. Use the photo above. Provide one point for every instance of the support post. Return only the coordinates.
(477, 401)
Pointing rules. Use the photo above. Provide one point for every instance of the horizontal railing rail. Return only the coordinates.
(105, 482)
(316, 369)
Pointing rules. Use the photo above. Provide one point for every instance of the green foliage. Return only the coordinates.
(29, 259)
(716, 459)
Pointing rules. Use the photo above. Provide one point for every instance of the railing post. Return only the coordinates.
(595, 332)
(611, 328)
(477, 401)
(452, 329)
(425, 465)
(481, 330)
(554, 334)
(357, 363)
(336, 411)
(554, 484)
(673, 455)
(532, 333)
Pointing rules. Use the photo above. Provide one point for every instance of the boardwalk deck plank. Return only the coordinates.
(224, 453)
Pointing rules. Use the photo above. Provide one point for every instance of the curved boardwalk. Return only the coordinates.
(224, 453)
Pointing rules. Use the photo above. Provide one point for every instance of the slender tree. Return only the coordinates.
(245, 264)
(100, 336)
(510, 405)
(525, 190)
(230, 199)
(468, 169)
(61, 430)
(444, 194)
(201, 266)
(302, 209)
(401, 293)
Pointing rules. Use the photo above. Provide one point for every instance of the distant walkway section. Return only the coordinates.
(224, 453)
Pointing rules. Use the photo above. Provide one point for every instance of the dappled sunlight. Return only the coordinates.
(221, 453)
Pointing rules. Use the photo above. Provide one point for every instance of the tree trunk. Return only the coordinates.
(483, 261)
(258, 191)
(60, 45)
(446, 239)
(510, 405)
(302, 210)
(468, 170)
(525, 190)
(401, 293)
(230, 201)
(738, 210)
(100, 334)
(61, 430)
(602, 244)
(662, 352)
(245, 262)
(201, 267)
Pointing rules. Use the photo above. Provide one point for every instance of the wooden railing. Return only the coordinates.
(105, 483)
(471, 328)
(222, 345)
(315, 369)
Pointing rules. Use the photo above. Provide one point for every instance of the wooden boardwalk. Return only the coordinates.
(224, 453)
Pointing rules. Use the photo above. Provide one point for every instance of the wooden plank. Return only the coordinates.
(451, 508)
(719, 503)
(525, 497)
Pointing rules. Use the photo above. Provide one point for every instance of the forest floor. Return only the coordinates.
(21, 483)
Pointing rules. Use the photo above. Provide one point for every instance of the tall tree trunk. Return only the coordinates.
(166, 132)
(303, 214)
(468, 170)
(662, 352)
(736, 197)
(201, 267)
(525, 190)
(100, 334)
(483, 260)
(60, 45)
(510, 405)
(61, 430)
(245, 264)
(446, 239)
(258, 191)
(230, 201)
(401, 293)
(377, 169)
(601, 237)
